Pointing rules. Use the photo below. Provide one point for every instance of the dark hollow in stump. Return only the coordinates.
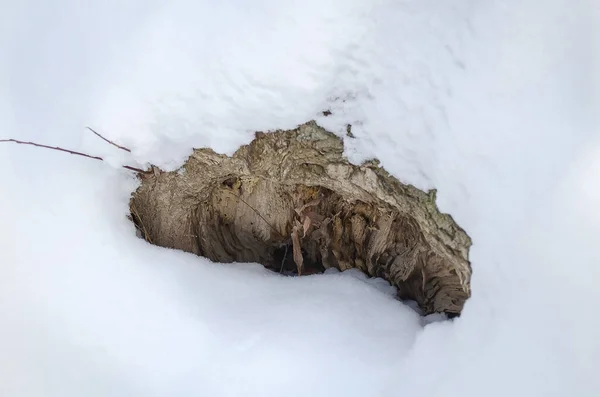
(295, 189)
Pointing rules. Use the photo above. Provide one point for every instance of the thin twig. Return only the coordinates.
(107, 140)
(71, 152)
(276, 231)
(136, 169)
(141, 226)
(284, 258)
(53, 148)
(255, 211)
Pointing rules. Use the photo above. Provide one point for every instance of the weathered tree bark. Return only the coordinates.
(294, 188)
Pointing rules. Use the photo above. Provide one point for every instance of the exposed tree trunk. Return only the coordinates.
(294, 188)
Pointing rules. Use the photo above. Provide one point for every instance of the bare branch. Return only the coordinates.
(53, 148)
(130, 168)
(107, 140)
(70, 152)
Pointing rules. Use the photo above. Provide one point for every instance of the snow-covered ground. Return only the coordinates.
(490, 102)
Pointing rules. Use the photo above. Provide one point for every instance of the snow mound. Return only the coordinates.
(492, 103)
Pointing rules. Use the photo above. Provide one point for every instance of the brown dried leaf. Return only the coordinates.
(316, 219)
(306, 225)
(297, 250)
(312, 203)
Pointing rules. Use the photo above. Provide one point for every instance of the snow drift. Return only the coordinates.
(491, 103)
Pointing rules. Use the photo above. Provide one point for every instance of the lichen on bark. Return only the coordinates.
(295, 189)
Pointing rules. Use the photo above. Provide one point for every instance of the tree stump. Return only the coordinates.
(292, 197)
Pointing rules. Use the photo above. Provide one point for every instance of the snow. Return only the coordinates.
(492, 103)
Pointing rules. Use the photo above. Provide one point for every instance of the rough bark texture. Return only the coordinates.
(295, 189)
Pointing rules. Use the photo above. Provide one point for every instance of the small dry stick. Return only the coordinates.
(284, 258)
(107, 140)
(255, 211)
(141, 227)
(268, 223)
(70, 152)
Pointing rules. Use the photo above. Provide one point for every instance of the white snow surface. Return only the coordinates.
(490, 102)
